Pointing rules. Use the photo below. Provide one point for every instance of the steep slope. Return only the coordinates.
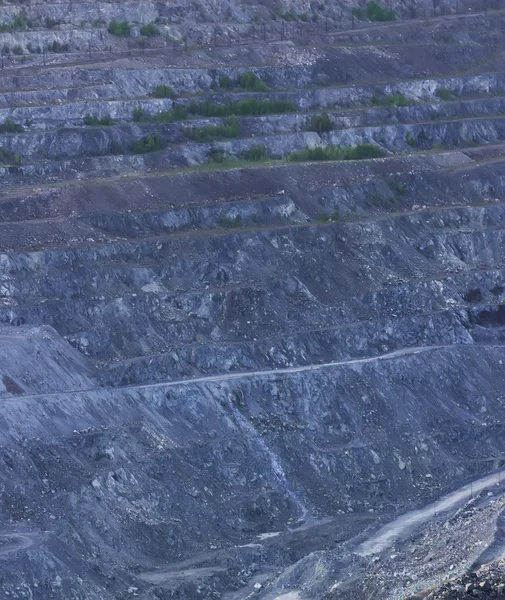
(251, 299)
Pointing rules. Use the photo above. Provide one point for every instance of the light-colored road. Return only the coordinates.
(405, 524)
(246, 374)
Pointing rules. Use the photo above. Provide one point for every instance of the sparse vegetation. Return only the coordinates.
(225, 82)
(411, 140)
(9, 158)
(96, 121)
(398, 187)
(320, 123)
(119, 28)
(9, 126)
(57, 47)
(250, 82)
(33, 49)
(249, 107)
(116, 148)
(150, 143)
(179, 113)
(288, 15)
(444, 94)
(149, 30)
(228, 129)
(217, 155)
(374, 12)
(230, 222)
(360, 152)
(255, 153)
(18, 23)
(163, 91)
(390, 100)
(51, 23)
(17, 50)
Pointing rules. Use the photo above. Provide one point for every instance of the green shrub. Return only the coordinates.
(51, 23)
(33, 49)
(18, 23)
(6, 49)
(444, 94)
(17, 50)
(104, 122)
(149, 30)
(360, 152)
(304, 17)
(229, 129)
(321, 123)
(255, 153)
(9, 158)
(9, 126)
(374, 12)
(289, 15)
(411, 140)
(119, 28)
(57, 47)
(251, 82)
(163, 91)
(217, 155)
(149, 143)
(399, 187)
(225, 82)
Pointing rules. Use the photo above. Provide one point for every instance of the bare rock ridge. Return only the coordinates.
(252, 286)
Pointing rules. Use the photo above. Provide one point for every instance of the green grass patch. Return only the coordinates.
(149, 143)
(250, 82)
(163, 91)
(373, 12)
(96, 121)
(360, 152)
(228, 129)
(9, 126)
(119, 28)
(242, 108)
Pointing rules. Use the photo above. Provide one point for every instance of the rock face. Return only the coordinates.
(224, 365)
(487, 582)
